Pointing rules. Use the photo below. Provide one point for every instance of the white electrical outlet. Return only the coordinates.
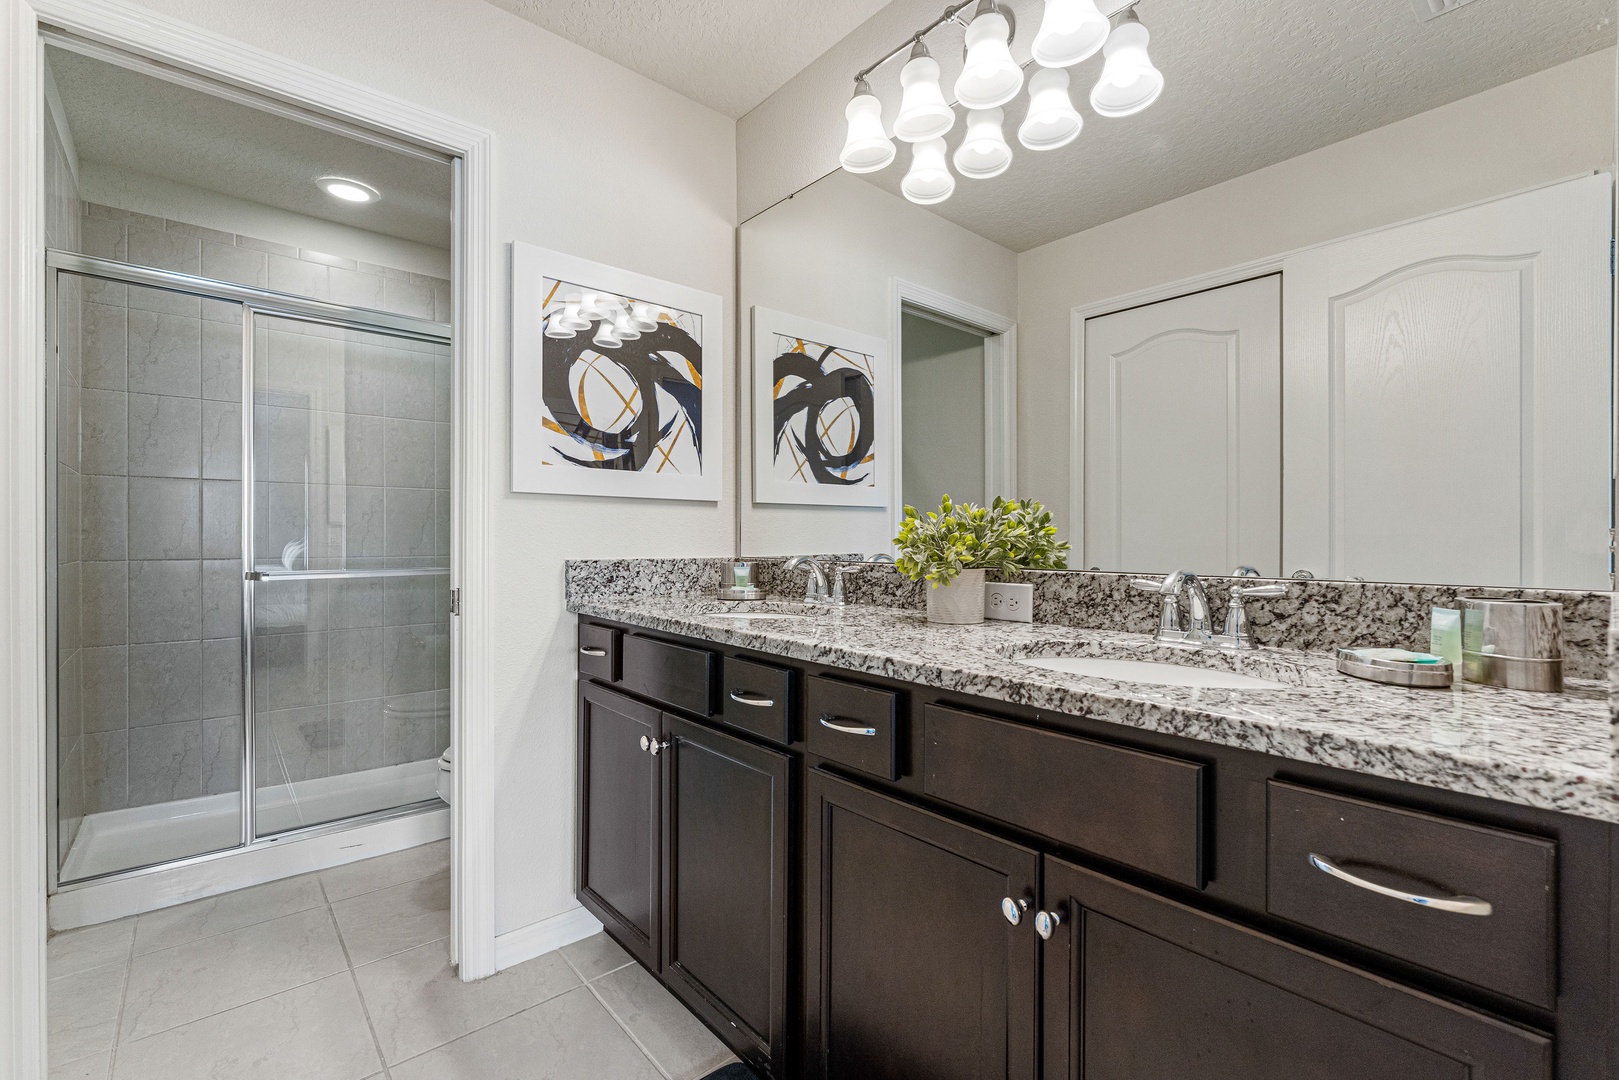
(1014, 603)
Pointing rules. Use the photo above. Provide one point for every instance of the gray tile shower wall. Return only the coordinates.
(150, 513)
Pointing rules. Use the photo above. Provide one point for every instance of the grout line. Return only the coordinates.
(123, 1000)
(354, 979)
(656, 1064)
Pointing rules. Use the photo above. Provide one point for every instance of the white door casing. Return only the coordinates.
(1182, 433)
(1459, 370)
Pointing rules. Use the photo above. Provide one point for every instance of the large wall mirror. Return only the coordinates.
(1338, 304)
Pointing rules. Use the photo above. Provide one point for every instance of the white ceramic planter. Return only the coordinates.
(960, 602)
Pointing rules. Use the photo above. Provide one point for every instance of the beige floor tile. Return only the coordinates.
(188, 982)
(570, 1037)
(228, 911)
(313, 1032)
(675, 1039)
(73, 951)
(81, 1012)
(416, 1001)
(95, 1067)
(369, 875)
(391, 920)
(595, 956)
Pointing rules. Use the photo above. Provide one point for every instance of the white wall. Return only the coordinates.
(142, 193)
(830, 254)
(596, 161)
(1550, 125)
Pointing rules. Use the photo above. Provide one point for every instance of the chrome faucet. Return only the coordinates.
(1198, 629)
(815, 590)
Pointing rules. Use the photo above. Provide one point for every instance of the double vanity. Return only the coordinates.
(859, 845)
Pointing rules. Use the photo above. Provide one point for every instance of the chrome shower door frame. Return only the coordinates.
(254, 302)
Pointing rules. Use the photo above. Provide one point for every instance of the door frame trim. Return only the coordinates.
(1000, 387)
(478, 302)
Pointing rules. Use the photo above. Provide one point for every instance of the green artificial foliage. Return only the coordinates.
(1009, 534)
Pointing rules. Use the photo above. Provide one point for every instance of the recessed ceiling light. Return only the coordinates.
(341, 187)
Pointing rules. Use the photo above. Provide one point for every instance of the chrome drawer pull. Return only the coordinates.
(742, 697)
(591, 650)
(1461, 905)
(827, 721)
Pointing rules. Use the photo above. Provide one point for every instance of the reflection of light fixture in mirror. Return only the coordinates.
(983, 153)
(1052, 121)
(1071, 31)
(341, 187)
(595, 305)
(607, 337)
(923, 112)
(625, 327)
(1129, 82)
(645, 317)
(990, 77)
(868, 148)
(929, 180)
(571, 318)
(556, 326)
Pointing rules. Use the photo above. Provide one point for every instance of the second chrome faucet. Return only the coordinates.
(1198, 628)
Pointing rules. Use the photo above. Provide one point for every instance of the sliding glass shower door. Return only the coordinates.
(250, 604)
(349, 530)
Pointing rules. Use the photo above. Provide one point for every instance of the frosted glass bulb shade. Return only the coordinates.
(868, 147)
(929, 180)
(1129, 82)
(1070, 31)
(556, 326)
(923, 112)
(625, 327)
(595, 305)
(990, 77)
(1052, 121)
(983, 153)
(606, 337)
(645, 318)
(572, 318)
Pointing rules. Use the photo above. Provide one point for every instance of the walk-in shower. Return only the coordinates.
(251, 604)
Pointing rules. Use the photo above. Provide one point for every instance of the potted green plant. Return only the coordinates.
(950, 549)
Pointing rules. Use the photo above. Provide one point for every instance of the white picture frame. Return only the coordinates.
(677, 451)
(785, 470)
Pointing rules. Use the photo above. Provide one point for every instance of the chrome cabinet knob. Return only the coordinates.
(1046, 923)
(1014, 909)
(653, 746)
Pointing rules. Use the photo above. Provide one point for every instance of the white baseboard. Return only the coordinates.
(547, 935)
(98, 902)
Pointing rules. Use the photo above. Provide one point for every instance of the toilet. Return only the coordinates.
(446, 778)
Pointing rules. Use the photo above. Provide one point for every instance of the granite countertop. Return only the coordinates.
(1544, 750)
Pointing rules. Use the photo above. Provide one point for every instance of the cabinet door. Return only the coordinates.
(1137, 987)
(618, 849)
(912, 969)
(725, 908)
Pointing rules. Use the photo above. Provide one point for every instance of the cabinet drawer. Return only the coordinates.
(598, 652)
(672, 674)
(852, 725)
(1135, 808)
(1329, 856)
(757, 698)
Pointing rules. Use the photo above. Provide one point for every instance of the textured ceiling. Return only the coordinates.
(1248, 83)
(727, 54)
(122, 117)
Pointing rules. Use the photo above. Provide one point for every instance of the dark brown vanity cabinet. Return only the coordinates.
(1139, 987)
(913, 965)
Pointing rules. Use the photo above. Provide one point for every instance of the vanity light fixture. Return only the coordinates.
(625, 327)
(606, 336)
(644, 317)
(923, 112)
(983, 153)
(1070, 31)
(1052, 121)
(868, 147)
(571, 317)
(341, 187)
(929, 180)
(989, 77)
(557, 327)
(1129, 82)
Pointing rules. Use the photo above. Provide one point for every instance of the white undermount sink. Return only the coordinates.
(1151, 672)
(757, 615)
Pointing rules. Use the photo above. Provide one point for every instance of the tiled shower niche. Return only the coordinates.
(351, 444)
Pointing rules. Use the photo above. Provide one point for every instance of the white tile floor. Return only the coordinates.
(345, 975)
